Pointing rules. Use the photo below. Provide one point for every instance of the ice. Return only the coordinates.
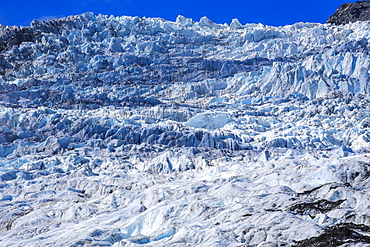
(206, 22)
(209, 120)
(184, 21)
(128, 131)
(235, 24)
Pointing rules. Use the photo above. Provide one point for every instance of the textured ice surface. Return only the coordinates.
(132, 131)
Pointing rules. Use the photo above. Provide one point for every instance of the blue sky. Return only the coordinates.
(269, 12)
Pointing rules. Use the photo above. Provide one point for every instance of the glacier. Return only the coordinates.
(129, 131)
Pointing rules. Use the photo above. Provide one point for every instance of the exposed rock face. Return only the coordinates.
(351, 12)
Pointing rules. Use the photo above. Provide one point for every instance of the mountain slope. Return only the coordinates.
(126, 130)
(351, 12)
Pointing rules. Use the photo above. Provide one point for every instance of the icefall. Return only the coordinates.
(126, 131)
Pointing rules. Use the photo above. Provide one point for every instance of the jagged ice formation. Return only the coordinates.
(130, 131)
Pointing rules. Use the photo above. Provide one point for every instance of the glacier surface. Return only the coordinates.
(128, 131)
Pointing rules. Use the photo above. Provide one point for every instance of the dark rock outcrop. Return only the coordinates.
(351, 12)
(338, 235)
(314, 208)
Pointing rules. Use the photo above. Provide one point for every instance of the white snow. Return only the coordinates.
(209, 120)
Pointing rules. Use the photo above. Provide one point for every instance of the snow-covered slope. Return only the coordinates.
(133, 131)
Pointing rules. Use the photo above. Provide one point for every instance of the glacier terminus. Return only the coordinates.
(129, 131)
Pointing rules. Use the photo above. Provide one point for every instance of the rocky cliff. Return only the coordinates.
(351, 12)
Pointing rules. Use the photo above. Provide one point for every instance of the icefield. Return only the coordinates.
(128, 131)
